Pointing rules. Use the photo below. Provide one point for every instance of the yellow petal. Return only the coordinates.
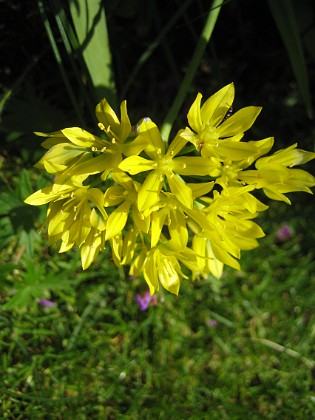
(136, 164)
(178, 230)
(157, 223)
(82, 138)
(125, 126)
(150, 272)
(176, 145)
(192, 165)
(168, 274)
(216, 107)
(117, 220)
(239, 122)
(47, 194)
(152, 136)
(106, 116)
(90, 249)
(181, 190)
(194, 116)
(287, 157)
(149, 193)
(201, 188)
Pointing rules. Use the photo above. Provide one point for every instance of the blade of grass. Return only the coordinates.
(89, 20)
(58, 58)
(195, 62)
(285, 19)
(292, 353)
(71, 44)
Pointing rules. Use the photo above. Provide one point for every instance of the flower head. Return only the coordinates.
(168, 211)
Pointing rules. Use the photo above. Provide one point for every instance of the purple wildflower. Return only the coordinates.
(285, 233)
(46, 303)
(145, 300)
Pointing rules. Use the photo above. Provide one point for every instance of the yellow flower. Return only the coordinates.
(206, 260)
(213, 134)
(163, 164)
(81, 153)
(125, 196)
(231, 228)
(275, 176)
(177, 217)
(161, 264)
(165, 210)
(75, 215)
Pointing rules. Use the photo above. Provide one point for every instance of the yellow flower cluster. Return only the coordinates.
(165, 210)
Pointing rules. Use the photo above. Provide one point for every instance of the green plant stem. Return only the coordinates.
(193, 66)
(156, 43)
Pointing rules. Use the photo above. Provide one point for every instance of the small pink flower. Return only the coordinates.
(285, 233)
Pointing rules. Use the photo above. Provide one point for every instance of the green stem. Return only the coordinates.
(193, 66)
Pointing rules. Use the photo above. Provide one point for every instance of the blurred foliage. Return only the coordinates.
(222, 349)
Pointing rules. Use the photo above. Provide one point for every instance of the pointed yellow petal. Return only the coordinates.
(216, 107)
(90, 249)
(239, 122)
(201, 188)
(181, 190)
(106, 116)
(82, 138)
(194, 116)
(150, 273)
(149, 193)
(117, 220)
(136, 164)
(152, 136)
(157, 223)
(176, 145)
(178, 230)
(193, 165)
(125, 126)
(168, 274)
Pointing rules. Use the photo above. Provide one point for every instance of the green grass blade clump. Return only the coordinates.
(285, 18)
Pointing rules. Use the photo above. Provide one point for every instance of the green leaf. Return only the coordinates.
(89, 20)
